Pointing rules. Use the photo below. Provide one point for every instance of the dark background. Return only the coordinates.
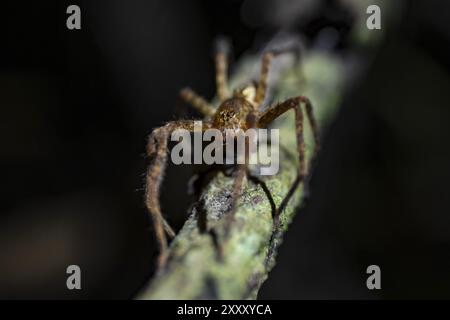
(76, 107)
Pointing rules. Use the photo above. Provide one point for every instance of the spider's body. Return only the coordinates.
(234, 113)
(238, 112)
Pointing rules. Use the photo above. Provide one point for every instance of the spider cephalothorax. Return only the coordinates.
(233, 113)
(239, 111)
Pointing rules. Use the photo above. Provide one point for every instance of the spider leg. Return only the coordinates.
(256, 180)
(157, 151)
(196, 184)
(271, 114)
(263, 78)
(235, 195)
(201, 179)
(261, 89)
(198, 102)
(221, 62)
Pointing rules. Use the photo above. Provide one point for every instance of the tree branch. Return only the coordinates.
(194, 270)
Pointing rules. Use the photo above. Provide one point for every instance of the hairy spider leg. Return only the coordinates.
(236, 193)
(274, 112)
(197, 101)
(157, 151)
(263, 79)
(221, 62)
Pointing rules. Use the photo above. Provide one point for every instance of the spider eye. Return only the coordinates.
(227, 115)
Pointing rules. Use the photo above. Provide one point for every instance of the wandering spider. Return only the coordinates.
(241, 110)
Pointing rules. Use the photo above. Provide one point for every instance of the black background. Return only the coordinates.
(76, 107)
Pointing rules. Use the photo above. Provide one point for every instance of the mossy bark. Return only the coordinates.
(194, 270)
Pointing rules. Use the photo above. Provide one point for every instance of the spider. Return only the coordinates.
(240, 110)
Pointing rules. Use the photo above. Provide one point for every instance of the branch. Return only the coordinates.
(194, 270)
